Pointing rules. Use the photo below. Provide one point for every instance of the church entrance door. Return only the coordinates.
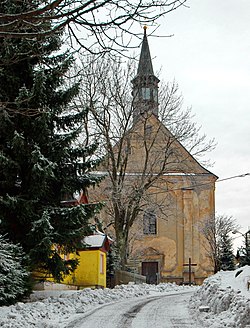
(150, 270)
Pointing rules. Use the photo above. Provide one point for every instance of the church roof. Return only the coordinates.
(145, 66)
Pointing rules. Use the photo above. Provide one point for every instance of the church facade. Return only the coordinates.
(165, 242)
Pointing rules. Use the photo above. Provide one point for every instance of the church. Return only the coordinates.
(165, 242)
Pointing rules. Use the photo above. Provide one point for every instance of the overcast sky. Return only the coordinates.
(209, 57)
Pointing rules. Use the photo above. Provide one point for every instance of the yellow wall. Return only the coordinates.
(88, 272)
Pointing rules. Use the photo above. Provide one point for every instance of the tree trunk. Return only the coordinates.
(122, 245)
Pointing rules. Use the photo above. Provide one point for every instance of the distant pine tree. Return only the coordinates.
(40, 161)
(244, 252)
(226, 258)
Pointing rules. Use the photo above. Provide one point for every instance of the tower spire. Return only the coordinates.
(145, 66)
(145, 84)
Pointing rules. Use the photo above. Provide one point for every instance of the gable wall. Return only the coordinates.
(151, 135)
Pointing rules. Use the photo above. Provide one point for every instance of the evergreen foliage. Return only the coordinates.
(113, 260)
(244, 252)
(227, 259)
(40, 162)
(217, 232)
(13, 276)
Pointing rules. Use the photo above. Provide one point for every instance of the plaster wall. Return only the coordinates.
(89, 272)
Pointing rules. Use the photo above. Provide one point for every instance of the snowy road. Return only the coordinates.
(138, 306)
(164, 311)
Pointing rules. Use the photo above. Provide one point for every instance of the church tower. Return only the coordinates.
(145, 84)
(165, 242)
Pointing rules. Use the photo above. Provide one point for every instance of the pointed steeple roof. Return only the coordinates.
(145, 63)
(145, 84)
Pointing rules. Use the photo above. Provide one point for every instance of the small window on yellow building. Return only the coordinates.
(101, 263)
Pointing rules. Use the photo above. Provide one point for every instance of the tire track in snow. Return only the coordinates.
(166, 311)
(131, 314)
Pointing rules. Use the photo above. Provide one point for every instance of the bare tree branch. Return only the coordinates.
(104, 21)
(213, 230)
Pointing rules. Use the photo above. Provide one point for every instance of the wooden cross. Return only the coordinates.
(190, 264)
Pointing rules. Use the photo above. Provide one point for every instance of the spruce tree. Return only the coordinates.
(13, 274)
(40, 161)
(226, 256)
(244, 258)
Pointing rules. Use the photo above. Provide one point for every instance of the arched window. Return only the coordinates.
(149, 222)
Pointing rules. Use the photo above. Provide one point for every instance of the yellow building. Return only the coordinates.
(91, 271)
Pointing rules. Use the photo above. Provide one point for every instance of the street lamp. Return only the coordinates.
(245, 235)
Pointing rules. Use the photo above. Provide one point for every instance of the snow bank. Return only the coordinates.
(53, 311)
(224, 295)
(227, 298)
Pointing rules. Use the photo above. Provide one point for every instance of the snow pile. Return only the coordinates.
(53, 311)
(226, 298)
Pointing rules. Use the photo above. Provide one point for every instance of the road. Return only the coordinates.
(164, 311)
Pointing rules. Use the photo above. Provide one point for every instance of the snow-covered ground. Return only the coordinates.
(227, 299)
(57, 307)
(225, 296)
